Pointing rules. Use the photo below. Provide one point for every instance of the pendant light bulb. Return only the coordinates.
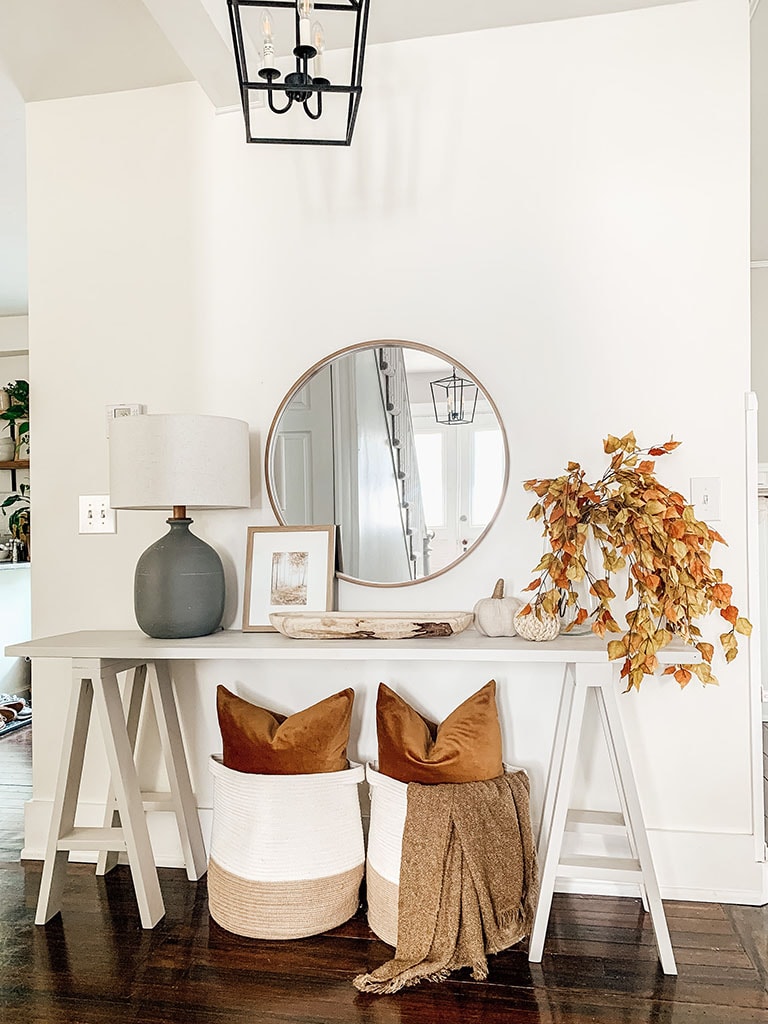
(268, 48)
(318, 41)
(305, 9)
(318, 37)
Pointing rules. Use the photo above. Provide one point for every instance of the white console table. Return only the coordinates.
(98, 657)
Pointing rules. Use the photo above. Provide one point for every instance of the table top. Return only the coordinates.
(232, 645)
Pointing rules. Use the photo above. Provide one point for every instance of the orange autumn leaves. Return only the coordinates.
(650, 535)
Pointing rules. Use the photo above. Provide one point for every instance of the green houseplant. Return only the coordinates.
(648, 534)
(17, 413)
(18, 518)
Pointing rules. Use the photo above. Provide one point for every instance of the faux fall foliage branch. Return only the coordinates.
(650, 532)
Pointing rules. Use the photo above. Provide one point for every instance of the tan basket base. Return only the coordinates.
(282, 910)
(382, 905)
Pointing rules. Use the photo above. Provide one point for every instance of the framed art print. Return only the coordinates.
(287, 568)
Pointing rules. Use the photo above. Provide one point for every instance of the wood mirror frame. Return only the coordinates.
(340, 418)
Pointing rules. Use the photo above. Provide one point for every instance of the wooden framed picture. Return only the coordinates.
(287, 568)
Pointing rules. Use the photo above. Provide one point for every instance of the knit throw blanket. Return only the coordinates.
(468, 880)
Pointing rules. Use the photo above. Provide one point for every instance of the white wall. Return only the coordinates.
(15, 624)
(759, 297)
(14, 333)
(759, 114)
(759, 216)
(571, 223)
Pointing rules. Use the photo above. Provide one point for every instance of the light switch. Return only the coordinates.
(705, 497)
(96, 515)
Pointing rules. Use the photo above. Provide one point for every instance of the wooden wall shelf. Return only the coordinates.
(15, 464)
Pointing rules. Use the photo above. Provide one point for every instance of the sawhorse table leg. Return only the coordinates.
(125, 829)
(556, 815)
(182, 799)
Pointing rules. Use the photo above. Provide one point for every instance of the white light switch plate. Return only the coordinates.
(705, 497)
(95, 514)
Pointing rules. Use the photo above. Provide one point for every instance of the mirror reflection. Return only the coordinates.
(397, 445)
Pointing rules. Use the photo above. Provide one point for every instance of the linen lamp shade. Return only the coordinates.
(159, 461)
(179, 462)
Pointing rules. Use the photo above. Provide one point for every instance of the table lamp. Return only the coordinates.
(179, 462)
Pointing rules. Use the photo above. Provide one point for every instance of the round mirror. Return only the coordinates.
(401, 448)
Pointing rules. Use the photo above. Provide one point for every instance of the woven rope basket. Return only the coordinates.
(389, 803)
(287, 851)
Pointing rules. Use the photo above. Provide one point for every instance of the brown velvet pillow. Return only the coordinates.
(262, 742)
(466, 747)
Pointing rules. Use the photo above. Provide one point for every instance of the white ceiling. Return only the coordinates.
(50, 49)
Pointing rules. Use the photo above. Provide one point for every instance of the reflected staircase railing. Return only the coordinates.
(394, 395)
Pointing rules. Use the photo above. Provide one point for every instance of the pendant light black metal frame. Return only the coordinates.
(458, 395)
(299, 86)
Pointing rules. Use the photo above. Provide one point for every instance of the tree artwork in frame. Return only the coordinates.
(287, 568)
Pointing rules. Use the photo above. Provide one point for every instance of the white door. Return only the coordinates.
(303, 464)
(461, 467)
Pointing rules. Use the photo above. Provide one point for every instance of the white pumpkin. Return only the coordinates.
(534, 627)
(494, 616)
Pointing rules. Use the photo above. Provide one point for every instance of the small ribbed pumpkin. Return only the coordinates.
(494, 616)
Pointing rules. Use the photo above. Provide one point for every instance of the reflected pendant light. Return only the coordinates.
(454, 399)
(320, 108)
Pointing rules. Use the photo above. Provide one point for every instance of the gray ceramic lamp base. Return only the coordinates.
(179, 586)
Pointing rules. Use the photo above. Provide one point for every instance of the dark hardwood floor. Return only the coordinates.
(95, 965)
(15, 790)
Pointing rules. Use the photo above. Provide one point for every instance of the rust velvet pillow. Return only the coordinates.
(466, 747)
(261, 742)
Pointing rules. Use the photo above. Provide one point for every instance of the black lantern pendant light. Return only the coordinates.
(454, 399)
(254, 38)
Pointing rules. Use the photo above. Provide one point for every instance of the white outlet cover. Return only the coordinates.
(125, 409)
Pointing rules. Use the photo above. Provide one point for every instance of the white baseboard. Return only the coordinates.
(740, 897)
(701, 867)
